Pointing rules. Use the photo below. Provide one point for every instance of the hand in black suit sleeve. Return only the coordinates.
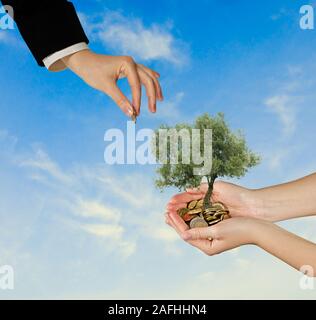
(47, 26)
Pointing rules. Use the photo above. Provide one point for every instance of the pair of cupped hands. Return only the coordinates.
(240, 229)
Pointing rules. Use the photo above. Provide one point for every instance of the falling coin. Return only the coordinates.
(134, 116)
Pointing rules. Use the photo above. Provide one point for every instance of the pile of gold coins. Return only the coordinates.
(197, 217)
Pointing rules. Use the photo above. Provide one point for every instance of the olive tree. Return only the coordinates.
(230, 155)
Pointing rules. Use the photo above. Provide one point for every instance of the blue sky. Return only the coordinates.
(74, 227)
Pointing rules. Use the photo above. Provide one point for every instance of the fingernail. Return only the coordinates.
(153, 104)
(130, 111)
(186, 236)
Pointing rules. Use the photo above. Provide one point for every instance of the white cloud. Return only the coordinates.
(170, 109)
(93, 208)
(276, 158)
(95, 200)
(282, 106)
(85, 200)
(41, 161)
(69, 192)
(277, 16)
(104, 230)
(129, 36)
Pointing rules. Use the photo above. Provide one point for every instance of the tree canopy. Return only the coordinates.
(230, 155)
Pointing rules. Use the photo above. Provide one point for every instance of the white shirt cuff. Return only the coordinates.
(54, 63)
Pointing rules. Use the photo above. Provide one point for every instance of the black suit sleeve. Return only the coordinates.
(47, 26)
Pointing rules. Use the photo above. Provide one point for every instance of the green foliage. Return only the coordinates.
(231, 156)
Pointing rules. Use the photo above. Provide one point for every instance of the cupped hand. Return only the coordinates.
(102, 73)
(240, 201)
(226, 235)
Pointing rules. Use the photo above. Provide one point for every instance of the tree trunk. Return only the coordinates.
(207, 198)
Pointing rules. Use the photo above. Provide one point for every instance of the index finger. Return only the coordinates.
(199, 233)
(180, 226)
(185, 197)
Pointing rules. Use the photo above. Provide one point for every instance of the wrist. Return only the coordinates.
(260, 231)
(262, 208)
(73, 60)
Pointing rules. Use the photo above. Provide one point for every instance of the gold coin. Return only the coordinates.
(195, 211)
(181, 212)
(218, 214)
(209, 211)
(187, 217)
(211, 223)
(210, 218)
(199, 203)
(218, 206)
(198, 222)
(192, 204)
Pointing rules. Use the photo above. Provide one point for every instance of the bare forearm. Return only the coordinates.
(293, 250)
(288, 200)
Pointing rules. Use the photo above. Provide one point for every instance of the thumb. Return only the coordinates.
(120, 99)
(201, 189)
(198, 234)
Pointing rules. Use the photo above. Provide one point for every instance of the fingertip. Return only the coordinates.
(186, 236)
(130, 111)
(172, 215)
(152, 105)
(169, 207)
